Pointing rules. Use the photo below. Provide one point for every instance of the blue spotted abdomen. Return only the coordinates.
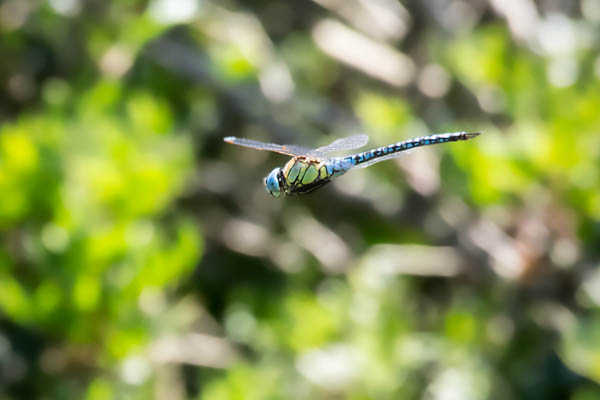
(379, 152)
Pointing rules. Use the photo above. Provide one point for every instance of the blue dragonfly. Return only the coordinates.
(309, 169)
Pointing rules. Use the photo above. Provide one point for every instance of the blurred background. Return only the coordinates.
(141, 258)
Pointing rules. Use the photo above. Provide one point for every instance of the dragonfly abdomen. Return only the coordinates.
(379, 152)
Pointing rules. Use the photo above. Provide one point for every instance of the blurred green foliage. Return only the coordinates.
(140, 256)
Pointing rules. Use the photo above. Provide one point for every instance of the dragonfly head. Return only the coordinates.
(272, 182)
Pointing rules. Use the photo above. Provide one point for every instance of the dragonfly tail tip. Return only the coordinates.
(470, 135)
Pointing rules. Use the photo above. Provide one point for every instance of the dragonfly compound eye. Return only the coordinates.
(272, 182)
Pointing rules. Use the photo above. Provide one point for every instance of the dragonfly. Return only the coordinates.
(310, 169)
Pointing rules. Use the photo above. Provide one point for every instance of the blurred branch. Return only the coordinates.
(381, 19)
(414, 260)
(194, 349)
(370, 57)
(521, 15)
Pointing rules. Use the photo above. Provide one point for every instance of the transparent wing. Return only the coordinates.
(348, 143)
(389, 156)
(288, 149)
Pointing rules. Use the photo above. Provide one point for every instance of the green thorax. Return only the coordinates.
(303, 175)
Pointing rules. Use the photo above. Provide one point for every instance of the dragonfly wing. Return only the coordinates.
(288, 149)
(348, 143)
(376, 160)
